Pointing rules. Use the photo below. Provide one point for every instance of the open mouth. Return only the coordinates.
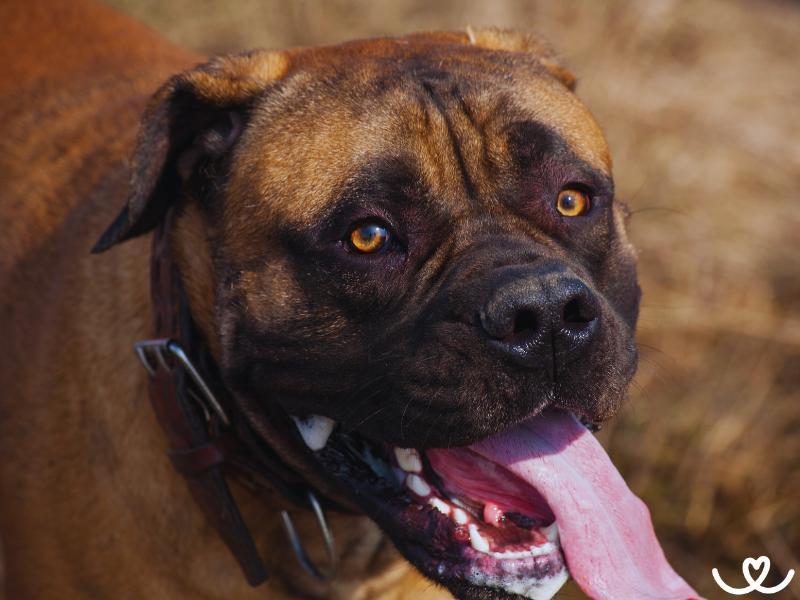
(516, 513)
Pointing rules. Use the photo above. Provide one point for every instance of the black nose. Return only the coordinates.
(536, 313)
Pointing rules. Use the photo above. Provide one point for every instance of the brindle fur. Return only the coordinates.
(461, 139)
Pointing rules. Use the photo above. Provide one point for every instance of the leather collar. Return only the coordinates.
(209, 439)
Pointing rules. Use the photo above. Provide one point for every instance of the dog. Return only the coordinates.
(409, 291)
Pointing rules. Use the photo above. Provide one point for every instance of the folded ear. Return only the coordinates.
(196, 114)
(519, 41)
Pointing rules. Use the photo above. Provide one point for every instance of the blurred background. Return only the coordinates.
(700, 100)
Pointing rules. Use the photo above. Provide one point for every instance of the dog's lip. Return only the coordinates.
(277, 429)
(610, 543)
(458, 548)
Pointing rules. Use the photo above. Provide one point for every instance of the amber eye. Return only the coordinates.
(573, 203)
(369, 238)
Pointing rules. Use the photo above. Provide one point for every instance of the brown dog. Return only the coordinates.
(411, 240)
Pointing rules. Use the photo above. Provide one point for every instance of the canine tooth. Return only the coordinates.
(460, 516)
(408, 459)
(551, 532)
(315, 430)
(418, 485)
(440, 505)
(478, 543)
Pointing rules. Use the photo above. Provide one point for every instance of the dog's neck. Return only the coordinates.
(126, 521)
(368, 564)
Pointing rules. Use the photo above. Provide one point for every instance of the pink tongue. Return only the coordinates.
(606, 533)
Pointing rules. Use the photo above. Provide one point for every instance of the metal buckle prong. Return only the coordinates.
(297, 545)
(145, 349)
(141, 351)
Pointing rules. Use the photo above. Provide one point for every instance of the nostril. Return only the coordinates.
(525, 321)
(576, 312)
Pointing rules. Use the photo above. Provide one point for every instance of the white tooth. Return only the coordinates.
(418, 485)
(408, 459)
(551, 532)
(315, 430)
(480, 544)
(542, 550)
(440, 505)
(460, 516)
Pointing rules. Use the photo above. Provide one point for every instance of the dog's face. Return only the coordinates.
(414, 239)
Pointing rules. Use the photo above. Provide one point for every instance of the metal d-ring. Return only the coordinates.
(158, 348)
(297, 545)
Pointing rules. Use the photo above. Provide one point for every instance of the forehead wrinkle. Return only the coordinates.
(549, 103)
(482, 116)
(422, 128)
(306, 141)
(439, 101)
(470, 143)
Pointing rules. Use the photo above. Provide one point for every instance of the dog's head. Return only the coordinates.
(414, 243)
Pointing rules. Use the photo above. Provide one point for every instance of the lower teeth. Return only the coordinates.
(442, 507)
(315, 432)
(527, 553)
(476, 540)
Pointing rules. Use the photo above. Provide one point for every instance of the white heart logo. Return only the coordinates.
(759, 564)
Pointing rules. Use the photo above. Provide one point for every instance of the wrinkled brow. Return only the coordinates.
(533, 144)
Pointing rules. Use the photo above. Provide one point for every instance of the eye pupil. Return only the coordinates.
(369, 238)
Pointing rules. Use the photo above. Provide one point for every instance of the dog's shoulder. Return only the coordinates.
(75, 79)
(45, 39)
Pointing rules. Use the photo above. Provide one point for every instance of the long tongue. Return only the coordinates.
(606, 534)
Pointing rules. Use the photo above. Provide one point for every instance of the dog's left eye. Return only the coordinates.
(573, 203)
(369, 238)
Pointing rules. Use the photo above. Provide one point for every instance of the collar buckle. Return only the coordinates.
(164, 349)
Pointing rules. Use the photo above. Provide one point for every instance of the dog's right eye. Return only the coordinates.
(369, 238)
(573, 203)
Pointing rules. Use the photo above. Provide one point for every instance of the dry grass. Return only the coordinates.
(701, 103)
